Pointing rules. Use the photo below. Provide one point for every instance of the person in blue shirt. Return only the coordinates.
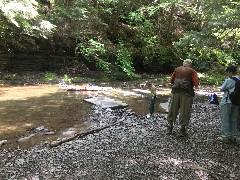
(238, 120)
(228, 112)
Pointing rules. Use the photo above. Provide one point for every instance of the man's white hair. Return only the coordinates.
(187, 62)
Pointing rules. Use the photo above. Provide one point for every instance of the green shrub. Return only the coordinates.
(125, 61)
(67, 79)
(50, 76)
(211, 79)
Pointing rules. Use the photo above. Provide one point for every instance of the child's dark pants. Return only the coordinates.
(151, 105)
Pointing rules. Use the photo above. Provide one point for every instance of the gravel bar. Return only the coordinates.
(137, 149)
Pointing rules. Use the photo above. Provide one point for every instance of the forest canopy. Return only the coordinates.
(125, 35)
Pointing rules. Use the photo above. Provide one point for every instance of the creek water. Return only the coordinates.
(24, 109)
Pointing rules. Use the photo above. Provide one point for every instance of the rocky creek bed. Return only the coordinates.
(136, 149)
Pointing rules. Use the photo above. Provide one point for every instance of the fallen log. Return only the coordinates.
(82, 134)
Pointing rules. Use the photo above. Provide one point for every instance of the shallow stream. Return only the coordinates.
(48, 112)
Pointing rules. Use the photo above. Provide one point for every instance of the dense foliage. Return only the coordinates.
(125, 35)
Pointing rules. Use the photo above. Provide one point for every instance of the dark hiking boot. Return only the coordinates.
(182, 132)
(169, 130)
(223, 140)
(233, 140)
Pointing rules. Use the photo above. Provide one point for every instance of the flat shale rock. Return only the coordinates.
(106, 102)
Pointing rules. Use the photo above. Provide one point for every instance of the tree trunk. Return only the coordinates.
(171, 18)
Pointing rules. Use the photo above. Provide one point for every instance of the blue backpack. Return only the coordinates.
(214, 99)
